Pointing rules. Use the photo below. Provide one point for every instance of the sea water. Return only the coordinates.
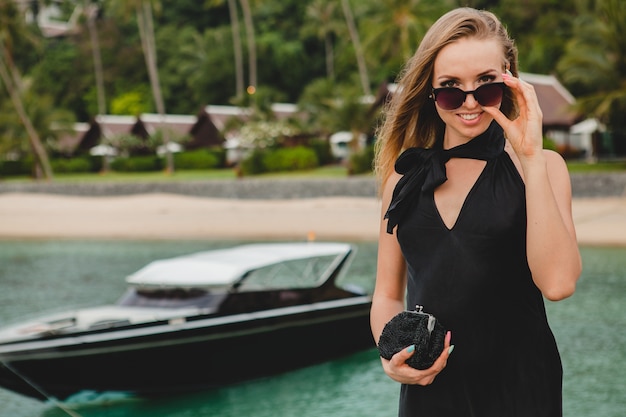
(37, 276)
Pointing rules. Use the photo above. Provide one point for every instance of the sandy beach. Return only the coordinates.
(599, 221)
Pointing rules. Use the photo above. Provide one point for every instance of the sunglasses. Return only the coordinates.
(450, 98)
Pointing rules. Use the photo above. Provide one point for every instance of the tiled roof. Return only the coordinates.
(554, 99)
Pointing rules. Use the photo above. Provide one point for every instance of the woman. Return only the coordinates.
(476, 226)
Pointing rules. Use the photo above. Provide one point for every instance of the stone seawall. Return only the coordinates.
(583, 185)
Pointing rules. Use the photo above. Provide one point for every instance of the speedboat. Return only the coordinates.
(194, 322)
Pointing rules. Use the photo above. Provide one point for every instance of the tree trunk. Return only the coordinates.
(247, 18)
(237, 49)
(330, 58)
(146, 33)
(91, 12)
(8, 75)
(354, 35)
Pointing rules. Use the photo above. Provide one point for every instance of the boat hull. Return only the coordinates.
(188, 353)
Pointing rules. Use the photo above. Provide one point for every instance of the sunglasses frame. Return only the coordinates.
(436, 91)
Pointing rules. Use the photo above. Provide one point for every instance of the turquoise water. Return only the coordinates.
(38, 276)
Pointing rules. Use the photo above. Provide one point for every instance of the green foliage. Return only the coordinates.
(595, 60)
(549, 144)
(304, 55)
(279, 160)
(132, 103)
(322, 150)
(290, 159)
(253, 164)
(137, 164)
(24, 166)
(361, 162)
(127, 144)
(73, 165)
(264, 133)
(199, 159)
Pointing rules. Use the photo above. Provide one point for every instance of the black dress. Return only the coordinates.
(475, 279)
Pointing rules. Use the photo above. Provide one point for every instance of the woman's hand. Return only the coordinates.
(525, 133)
(399, 371)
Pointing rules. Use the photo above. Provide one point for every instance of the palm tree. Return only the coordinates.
(394, 29)
(323, 23)
(91, 10)
(237, 45)
(11, 26)
(237, 49)
(594, 64)
(145, 22)
(249, 25)
(360, 56)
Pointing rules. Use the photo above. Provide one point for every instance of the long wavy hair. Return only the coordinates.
(410, 117)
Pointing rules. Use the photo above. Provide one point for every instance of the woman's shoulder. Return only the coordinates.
(388, 185)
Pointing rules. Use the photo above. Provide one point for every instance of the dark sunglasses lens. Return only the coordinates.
(450, 98)
(453, 98)
(489, 94)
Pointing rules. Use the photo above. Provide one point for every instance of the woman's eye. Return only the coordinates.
(487, 79)
(448, 84)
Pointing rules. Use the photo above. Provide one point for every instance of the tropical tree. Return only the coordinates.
(91, 10)
(323, 22)
(594, 64)
(145, 22)
(12, 26)
(249, 25)
(358, 49)
(237, 44)
(197, 57)
(394, 29)
(237, 49)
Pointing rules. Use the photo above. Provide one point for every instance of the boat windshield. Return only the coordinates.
(170, 298)
(299, 273)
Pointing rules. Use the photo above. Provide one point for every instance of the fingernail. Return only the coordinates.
(410, 349)
(450, 349)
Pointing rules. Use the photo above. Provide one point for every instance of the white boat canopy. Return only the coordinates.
(224, 267)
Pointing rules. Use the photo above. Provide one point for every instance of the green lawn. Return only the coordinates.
(334, 171)
(603, 166)
(184, 175)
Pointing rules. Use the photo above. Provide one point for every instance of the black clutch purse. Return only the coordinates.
(413, 328)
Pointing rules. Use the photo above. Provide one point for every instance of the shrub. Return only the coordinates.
(278, 160)
(361, 161)
(14, 168)
(290, 159)
(137, 164)
(253, 163)
(549, 144)
(322, 150)
(199, 159)
(96, 162)
(78, 164)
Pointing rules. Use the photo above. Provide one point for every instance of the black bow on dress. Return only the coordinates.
(425, 169)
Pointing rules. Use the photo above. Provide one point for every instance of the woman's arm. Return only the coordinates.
(552, 248)
(389, 292)
(388, 300)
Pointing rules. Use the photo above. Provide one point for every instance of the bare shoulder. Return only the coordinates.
(389, 185)
(557, 168)
(554, 159)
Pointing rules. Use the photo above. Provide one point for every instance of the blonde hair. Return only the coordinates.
(411, 119)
